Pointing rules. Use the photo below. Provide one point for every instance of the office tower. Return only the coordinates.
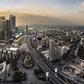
(1, 31)
(2, 18)
(47, 42)
(6, 29)
(4, 26)
(17, 30)
(52, 49)
(12, 24)
(26, 29)
(1, 28)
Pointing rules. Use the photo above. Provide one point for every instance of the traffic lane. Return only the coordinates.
(31, 78)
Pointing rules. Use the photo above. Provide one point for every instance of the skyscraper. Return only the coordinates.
(5, 25)
(52, 49)
(26, 29)
(1, 30)
(2, 18)
(12, 24)
(6, 29)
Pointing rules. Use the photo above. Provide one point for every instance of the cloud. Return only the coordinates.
(82, 5)
(49, 13)
(81, 9)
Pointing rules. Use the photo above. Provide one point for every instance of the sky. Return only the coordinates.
(65, 10)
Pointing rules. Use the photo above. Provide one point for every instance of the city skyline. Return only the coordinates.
(41, 11)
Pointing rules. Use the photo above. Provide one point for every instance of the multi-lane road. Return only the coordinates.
(44, 65)
(48, 67)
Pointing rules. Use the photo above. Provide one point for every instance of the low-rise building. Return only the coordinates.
(4, 69)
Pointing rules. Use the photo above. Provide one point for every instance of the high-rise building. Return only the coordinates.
(1, 30)
(26, 29)
(2, 18)
(6, 29)
(4, 26)
(45, 42)
(12, 24)
(52, 49)
(60, 51)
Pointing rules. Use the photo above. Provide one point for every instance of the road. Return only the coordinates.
(31, 78)
(47, 67)
(44, 65)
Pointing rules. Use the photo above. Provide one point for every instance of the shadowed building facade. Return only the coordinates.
(12, 25)
(7, 27)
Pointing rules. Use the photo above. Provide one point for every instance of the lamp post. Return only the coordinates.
(47, 76)
(56, 72)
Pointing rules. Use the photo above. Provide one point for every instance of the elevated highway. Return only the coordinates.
(44, 65)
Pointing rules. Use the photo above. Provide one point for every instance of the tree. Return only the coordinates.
(14, 67)
(24, 77)
(17, 76)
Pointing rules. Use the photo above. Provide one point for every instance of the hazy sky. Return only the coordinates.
(72, 10)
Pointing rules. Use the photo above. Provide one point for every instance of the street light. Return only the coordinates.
(47, 75)
(56, 72)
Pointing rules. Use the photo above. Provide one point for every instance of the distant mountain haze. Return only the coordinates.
(26, 18)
